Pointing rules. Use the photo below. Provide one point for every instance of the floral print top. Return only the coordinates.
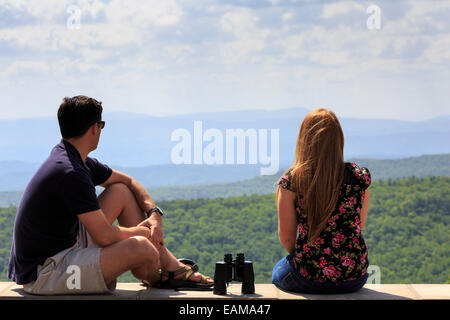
(339, 253)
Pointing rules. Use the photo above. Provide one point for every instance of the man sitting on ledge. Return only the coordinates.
(64, 240)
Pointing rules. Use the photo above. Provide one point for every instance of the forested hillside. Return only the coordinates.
(423, 166)
(407, 231)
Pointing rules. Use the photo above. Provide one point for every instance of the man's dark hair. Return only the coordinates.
(77, 114)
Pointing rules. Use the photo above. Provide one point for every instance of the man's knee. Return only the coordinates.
(120, 191)
(144, 249)
(118, 187)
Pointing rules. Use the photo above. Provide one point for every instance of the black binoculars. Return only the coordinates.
(234, 270)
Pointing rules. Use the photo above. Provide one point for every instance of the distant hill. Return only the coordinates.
(424, 166)
(17, 178)
(136, 140)
(15, 175)
(246, 181)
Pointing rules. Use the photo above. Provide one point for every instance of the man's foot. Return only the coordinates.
(187, 273)
(182, 275)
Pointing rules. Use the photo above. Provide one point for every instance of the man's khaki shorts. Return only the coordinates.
(75, 270)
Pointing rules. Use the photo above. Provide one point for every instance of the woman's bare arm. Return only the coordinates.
(365, 207)
(287, 221)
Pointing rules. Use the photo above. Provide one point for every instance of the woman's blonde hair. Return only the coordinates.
(318, 168)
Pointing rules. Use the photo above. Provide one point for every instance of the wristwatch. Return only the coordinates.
(157, 209)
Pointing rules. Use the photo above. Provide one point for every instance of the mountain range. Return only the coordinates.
(170, 182)
(137, 140)
(143, 145)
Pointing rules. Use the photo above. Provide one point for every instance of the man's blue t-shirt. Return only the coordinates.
(46, 221)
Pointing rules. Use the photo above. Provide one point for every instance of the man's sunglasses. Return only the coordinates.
(101, 124)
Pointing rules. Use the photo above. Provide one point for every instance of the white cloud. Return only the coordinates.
(126, 22)
(287, 16)
(327, 46)
(242, 23)
(20, 66)
(179, 53)
(143, 13)
(438, 51)
(330, 57)
(92, 55)
(209, 54)
(44, 10)
(340, 8)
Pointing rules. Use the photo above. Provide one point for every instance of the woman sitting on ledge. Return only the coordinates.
(326, 200)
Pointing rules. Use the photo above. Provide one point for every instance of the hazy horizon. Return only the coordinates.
(106, 112)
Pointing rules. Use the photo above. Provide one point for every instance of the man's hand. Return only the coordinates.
(154, 223)
(142, 230)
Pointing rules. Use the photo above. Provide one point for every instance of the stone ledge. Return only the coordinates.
(134, 291)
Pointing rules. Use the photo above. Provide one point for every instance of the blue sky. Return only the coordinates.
(184, 56)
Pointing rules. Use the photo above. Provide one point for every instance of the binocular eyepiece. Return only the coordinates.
(234, 270)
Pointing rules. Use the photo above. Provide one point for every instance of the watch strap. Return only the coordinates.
(157, 209)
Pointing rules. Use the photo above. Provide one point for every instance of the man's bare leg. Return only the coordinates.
(118, 202)
(136, 254)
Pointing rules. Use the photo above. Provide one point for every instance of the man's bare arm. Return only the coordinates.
(105, 234)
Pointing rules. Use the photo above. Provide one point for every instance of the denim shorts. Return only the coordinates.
(286, 277)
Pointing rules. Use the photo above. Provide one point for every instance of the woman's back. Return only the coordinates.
(339, 253)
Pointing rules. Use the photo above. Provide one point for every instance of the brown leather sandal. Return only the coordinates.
(184, 282)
